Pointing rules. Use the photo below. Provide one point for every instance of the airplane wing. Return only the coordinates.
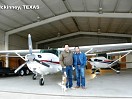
(118, 53)
(18, 51)
(87, 49)
(103, 48)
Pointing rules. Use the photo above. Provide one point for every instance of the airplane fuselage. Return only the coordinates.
(101, 62)
(49, 59)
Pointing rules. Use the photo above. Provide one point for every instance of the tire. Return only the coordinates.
(93, 71)
(117, 66)
(97, 72)
(34, 77)
(118, 72)
(21, 72)
(27, 72)
(41, 81)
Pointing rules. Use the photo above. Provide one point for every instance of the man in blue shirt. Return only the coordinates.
(79, 62)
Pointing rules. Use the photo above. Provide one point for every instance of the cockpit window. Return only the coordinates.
(39, 56)
(53, 51)
(90, 60)
(97, 60)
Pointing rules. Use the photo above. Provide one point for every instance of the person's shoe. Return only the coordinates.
(77, 87)
(72, 88)
(83, 87)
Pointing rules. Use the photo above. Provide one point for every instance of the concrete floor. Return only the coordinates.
(106, 85)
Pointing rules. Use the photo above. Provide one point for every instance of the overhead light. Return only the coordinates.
(99, 31)
(38, 18)
(100, 10)
(58, 35)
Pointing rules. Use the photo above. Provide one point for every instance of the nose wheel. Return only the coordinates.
(41, 81)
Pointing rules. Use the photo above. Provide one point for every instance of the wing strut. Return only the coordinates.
(109, 66)
(89, 51)
(20, 56)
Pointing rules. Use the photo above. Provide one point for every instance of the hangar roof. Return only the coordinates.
(61, 17)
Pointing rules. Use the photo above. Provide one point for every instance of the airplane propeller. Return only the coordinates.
(30, 51)
(30, 56)
(30, 44)
(20, 67)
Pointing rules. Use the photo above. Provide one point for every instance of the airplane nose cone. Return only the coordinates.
(31, 57)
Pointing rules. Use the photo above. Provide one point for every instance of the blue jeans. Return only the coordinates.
(80, 76)
(69, 76)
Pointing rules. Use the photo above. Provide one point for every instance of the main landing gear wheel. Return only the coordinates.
(118, 72)
(34, 77)
(97, 72)
(41, 81)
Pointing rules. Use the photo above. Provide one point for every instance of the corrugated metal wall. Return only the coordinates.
(18, 42)
(83, 41)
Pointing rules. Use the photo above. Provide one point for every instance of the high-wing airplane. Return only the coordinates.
(110, 49)
(102, 62)
(48, 62)
(38, 63)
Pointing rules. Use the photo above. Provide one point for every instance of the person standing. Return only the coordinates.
(66, 61)
(79, 62)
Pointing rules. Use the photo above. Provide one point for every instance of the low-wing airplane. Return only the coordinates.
(48, 62)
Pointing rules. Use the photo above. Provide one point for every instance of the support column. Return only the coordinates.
(6, 41)
(7, 61)
(131, 39)
(6, 48)
(36, 45)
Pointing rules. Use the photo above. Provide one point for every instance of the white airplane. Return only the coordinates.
(110, 49)
(102, 62)
(48, 63)
(38, 63)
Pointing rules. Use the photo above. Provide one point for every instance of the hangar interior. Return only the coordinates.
(56, 22)
(76, 22)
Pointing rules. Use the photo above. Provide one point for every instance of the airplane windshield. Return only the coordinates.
(97, 60)
(50, 51)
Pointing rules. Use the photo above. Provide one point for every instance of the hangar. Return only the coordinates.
(52, 23)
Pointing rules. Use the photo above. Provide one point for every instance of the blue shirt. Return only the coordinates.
(78, 60)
